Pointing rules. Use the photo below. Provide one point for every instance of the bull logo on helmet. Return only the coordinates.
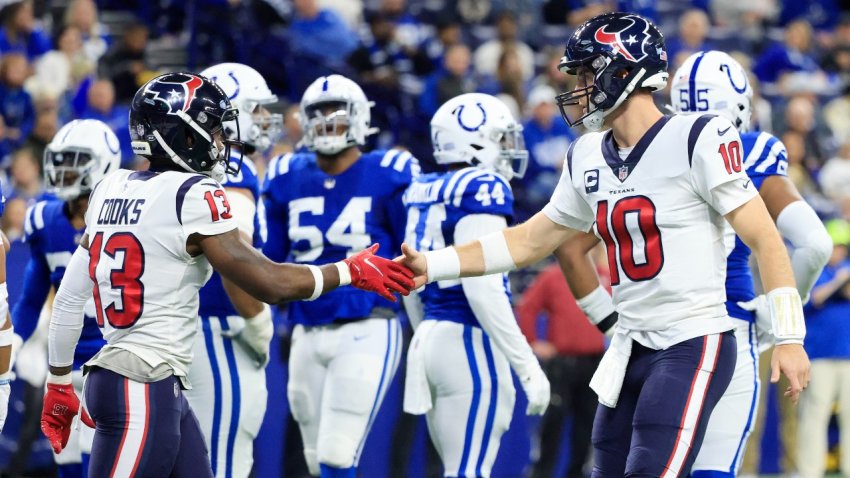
(173, 96)
(627, 39)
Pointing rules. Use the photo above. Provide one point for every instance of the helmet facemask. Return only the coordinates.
(328, 126)
(68, 173)
(513, 157)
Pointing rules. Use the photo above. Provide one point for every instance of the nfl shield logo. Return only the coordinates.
(623, 173)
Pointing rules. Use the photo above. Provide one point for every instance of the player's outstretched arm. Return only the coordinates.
(6, 336)
(512, 248)
(273, 283)
(580, 273)
(753, 224)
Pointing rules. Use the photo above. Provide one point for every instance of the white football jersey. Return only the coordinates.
(146, 284)
(660, 213)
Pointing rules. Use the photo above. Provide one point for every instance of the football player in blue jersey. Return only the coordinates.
(81, 154)
(228, 379)
(467, 339)
(329, 204)
(713, 82)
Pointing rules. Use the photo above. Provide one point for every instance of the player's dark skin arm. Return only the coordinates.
(5, 352)
(244, 303)
(777, 193)
(254, 273)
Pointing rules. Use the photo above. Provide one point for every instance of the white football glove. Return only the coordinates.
(536, 387)
(256, 336)
(764, 326)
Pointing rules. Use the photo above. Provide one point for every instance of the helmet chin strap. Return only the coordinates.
(171, 154)
(594, 121)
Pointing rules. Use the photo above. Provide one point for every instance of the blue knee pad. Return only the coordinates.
(712, 474)
(331, 472)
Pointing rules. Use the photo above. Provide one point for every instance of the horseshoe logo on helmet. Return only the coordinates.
(459, 113)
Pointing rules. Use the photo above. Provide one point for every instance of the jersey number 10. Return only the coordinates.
(620, 238)
(124, 278)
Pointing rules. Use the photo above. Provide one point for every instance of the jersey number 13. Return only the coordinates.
(124, 278)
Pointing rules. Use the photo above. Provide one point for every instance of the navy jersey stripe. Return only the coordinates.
(693, 136)
(181, 194)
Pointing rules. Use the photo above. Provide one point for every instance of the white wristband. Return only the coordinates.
(344, 273)
(786, 315)
(59, 379)
(497, 255)
(597, 305)
(319, 281)
(442, 264)
(6, 337)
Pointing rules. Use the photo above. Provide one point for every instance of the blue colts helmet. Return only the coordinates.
(612, 55)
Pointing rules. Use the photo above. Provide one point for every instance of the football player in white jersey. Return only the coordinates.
(151, 239)
(656, 190)
(467, 338)
(7, 332)
(228, 392)
(714, 82)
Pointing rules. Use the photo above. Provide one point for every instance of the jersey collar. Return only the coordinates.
(623, 169)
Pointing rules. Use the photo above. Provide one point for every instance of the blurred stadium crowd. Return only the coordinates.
(67, 59)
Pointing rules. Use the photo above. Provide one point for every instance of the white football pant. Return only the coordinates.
(732, 419)
(228, 396)
(473, 397)
(338, 376)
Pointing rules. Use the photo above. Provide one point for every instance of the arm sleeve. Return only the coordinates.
(720, 180)
(206, 210)
(26, 312)
(567, 207)
(799, 223)
(488, 300)
(66, 323)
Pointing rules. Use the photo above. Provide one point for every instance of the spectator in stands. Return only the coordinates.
(101, 106)
(12, 222)
(798, 172)
(828, 347)
(782, 62)
(821, 14)
(19, 32)
(451, 80)
(836, 114)
(488, 56)
(25, 177)
(744, 19)
(507, 84)
(551, 75)
(82, 14)
(583, 10)
(434, 48)
(46, 126)
(693, 30)
(800, 118)
(59, 72)
(836, 59)
(320, 33)
(124, 63)
(547, 139)
(16, 106)
(835, 176)
(569, 353)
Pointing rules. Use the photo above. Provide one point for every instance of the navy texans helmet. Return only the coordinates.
(612, 55)
(179, 118)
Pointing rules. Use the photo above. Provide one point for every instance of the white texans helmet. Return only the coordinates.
(81, 154)
(713, 82)
(334, 115)
(479, 129)
(249, 93)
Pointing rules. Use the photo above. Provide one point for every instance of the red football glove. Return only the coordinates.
(377, 274)
(60, 406)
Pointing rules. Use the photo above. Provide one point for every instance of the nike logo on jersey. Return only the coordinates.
(722, 132)
(747, 184)
(358, 338)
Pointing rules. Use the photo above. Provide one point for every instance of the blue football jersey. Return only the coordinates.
(214, 301)
(435, 203)
(316, 218)
(52, 240)
(764, 156)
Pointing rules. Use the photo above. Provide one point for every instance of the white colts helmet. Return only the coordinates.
(480, 130)
(713, 82)
(248, 92)
(81, 154)
(334, 115)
